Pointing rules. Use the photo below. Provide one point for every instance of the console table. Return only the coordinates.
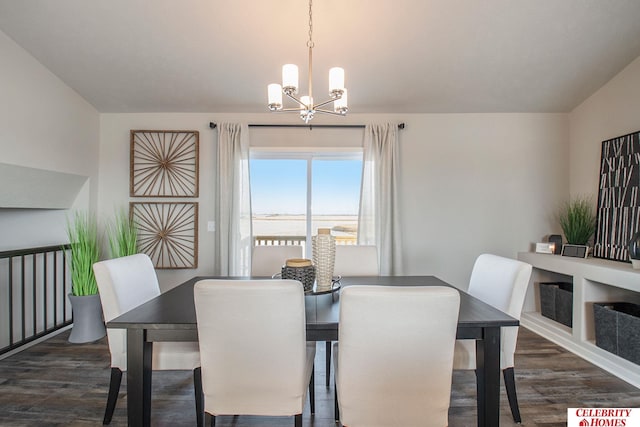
(594, 280)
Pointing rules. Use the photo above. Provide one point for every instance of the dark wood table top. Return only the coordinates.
(174, 309)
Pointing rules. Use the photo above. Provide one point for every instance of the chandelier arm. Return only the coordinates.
(333, 113)
(287, 110)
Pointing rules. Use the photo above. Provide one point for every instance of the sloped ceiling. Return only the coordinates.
(419, 56)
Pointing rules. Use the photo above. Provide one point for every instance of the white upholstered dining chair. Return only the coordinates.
(254, 354)
(352, 260)
(356, 260)
(125, 283)
(394, 356)
(502, 283)
(268, 260)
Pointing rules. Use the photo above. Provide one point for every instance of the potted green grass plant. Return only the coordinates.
(578, 221)
(88, 325)
(123, 235)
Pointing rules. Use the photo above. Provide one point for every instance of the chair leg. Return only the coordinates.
(328, 362)
(510, 385)
(212, 419)
(112, 397)
(312, 391)
(336, 409)
(197, 388)
(297, 420)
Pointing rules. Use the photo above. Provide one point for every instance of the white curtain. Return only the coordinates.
(378, 222)
(233, 207)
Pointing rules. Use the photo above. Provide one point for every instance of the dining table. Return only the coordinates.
(171, 316)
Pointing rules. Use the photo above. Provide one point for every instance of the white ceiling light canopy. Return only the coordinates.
(306, 106)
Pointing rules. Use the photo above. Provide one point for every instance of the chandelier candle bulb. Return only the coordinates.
(275, 96)
(290, 78)
(336, 81)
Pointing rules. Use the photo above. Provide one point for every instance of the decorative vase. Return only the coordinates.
(301, 270)
(324, 255)
(88, 325)
(634, 251)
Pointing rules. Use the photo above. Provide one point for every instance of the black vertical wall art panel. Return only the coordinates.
(618, 199)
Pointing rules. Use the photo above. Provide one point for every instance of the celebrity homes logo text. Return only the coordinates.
(603, 417)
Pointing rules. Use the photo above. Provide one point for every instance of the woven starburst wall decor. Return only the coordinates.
(168, 233)
(164, 163)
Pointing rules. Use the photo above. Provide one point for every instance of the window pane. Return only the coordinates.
(278, 197)
(335, 197)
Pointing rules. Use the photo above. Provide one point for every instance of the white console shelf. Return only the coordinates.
(594, 280)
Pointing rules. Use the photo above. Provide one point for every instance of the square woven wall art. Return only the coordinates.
(168, 233)
(164, 163)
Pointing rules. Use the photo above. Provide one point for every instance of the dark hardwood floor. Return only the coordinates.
(55, 383)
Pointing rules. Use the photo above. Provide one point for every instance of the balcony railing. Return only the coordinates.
(34, 284)
(296, 240)
(279, 240)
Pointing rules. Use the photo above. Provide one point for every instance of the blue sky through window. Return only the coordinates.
(336, 187)
(279, 186)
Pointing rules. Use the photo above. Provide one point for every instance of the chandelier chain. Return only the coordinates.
(310, 42)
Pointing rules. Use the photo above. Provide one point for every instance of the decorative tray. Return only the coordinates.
(335, 286)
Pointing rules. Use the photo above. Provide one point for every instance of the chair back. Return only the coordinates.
(124, 283)
(356, 260)
(395, 354)
(252, 336)
(268, 260)
(502, 283)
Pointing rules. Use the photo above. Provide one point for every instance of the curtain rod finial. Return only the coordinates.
(212, 125)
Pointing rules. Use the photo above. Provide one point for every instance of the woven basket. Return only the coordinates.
(300, 270)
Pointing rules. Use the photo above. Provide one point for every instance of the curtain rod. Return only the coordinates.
(213, 125)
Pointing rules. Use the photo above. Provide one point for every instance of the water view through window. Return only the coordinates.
(291, 198)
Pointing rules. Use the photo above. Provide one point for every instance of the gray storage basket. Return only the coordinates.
(617, 327)
(556, 302)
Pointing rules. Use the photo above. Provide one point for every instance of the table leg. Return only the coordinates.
(139, 357)
(488, 377)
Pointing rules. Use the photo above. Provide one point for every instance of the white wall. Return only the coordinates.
(470, 183)
(614, 110)
(474, 183)
(43, 124)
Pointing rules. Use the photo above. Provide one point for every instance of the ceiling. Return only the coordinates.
(399, 56)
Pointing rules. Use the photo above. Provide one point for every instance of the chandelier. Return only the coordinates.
(306, 107)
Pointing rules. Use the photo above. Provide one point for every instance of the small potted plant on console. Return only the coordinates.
(578, 221)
